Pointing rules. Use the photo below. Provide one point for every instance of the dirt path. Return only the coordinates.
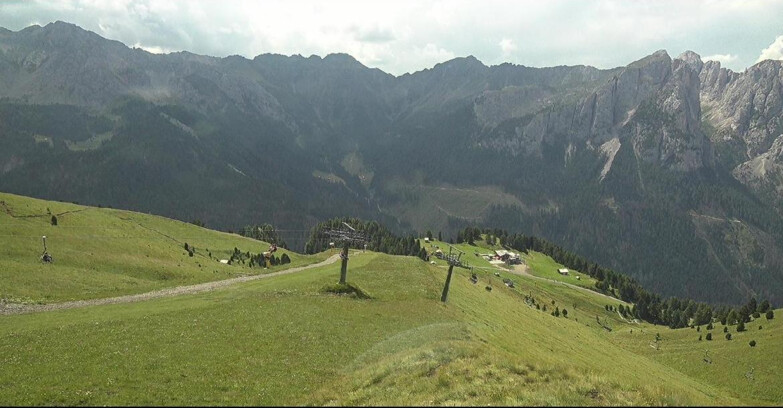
(522, 270)
(14, 309)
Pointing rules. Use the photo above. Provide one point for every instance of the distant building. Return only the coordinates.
(500, 253)
(563, 271)
(224, 261)
(508, 257)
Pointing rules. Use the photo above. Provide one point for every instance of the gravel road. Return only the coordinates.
(523, 270)
(14, 309)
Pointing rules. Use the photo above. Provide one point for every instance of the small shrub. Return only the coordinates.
(725, 329)
(700, 337)
(698, 328)
(756, 315)
(752, 343)
(728, 336)
(709, 336)
(740, 327)
(54, 220)
(770, 315)
(565, 313)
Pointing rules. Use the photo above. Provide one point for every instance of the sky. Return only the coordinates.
(404, 36)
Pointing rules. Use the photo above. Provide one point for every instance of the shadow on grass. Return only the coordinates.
(349, 289)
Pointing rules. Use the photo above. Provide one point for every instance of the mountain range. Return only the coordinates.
(667, 169)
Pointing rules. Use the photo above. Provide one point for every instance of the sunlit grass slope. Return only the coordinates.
(748, 373)
(540, 265)
(286, 341)
(102, 252)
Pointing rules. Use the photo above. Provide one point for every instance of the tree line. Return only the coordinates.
(263, 232)
(673, 311)
(378, 238)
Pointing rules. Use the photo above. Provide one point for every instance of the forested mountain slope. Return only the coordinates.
(666, 169)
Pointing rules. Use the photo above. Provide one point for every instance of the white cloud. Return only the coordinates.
(432, 54)
(410, 35)
(152, 49)
(774, 51)
(722, 58)
(372, 34)
(507, 46)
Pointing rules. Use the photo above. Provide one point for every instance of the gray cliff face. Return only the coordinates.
(746, 106)
(667, 131)
(693, 60)
(764, 170)
(746, 111)
(652, 103)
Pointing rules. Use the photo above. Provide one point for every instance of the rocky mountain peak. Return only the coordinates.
(64, 27)
(664, 112)
(460, 64)
(652, 104)
(342, 59)
(692, 59)
(657, 58)
(61, 34)
(747, 107)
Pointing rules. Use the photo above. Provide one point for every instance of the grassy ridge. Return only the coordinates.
(101, 252)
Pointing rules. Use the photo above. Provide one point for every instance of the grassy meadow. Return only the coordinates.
(103, 252)
(287, 341)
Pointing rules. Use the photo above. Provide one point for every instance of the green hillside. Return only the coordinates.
(285, 340)
(102, 252)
